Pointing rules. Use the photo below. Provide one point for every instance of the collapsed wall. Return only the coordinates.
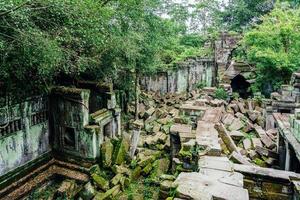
(187, 74)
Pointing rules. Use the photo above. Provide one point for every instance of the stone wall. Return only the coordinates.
(24, 133)
(185, 78)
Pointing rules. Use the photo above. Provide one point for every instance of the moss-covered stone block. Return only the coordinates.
(116, 179)
(106, 153)
(95, 169)
(147, 169)
(160, 167)
(124, 181)
(260, 162)
(107, 195)
(101, 182)
(87, 192)
(136, 173)
(146, 160)
(121, 169)
(121, 151)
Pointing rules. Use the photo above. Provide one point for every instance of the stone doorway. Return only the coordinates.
(240, 85)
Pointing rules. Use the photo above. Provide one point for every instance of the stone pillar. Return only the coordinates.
(287, 157)
(137, 125)
(118, 121)
(270, 122)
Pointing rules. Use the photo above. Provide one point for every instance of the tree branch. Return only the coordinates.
(14, 9)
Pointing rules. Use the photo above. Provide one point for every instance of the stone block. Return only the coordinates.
(236, 125)
(247, 144)
(256, 142)
(236, 135)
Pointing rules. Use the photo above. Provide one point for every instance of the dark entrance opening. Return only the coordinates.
(240, 85)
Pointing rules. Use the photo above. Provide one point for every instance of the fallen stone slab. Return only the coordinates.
(236, 135)
(201, 102)
(253, 115)
(191, 110)
(265, 172)
(253, 154)
(217, 103)
(247, 144)
(232, 178)
(266, 152)
(218, 163)
(226, 137)
(241, 107)
(202, 187)
(256, 142)
(207, 137)
(181, 128)
(227, 119)
(264, 138)
(238, 158)
(237, 124)
(212, 115)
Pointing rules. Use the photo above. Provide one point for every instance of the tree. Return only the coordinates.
(274, 47)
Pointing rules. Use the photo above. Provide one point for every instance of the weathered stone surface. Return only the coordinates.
(107, 152)
(226, 137)
(227, 119)
(236, 125)
(100, 182)
(266, 152)
(212, 115)
(122, 149)
(265, 172)
(198, 186)
(253, 115)
(264, 138)
(247, 144)
(218, 163)
(241, 107)
(181, 128)
(201, 102)
(113, 191)
(238, 158)
(253, 155)
(207, 137)
(149, 112)
(236, 135)
(256, 142)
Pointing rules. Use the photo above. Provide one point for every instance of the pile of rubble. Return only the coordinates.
(243, 124)
(113, 174)
(156, 115)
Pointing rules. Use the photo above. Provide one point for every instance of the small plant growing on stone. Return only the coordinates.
(235, 95)
(220, 93)
(200, 85)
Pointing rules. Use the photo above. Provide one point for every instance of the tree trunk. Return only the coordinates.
(136, 95)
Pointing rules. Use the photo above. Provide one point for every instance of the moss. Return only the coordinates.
(147, 169)
(101, 182)
(146, 160)
(113, 191)
(95, 169)
(116, 179)
(106, 153)
(185, 154)
(121, 150)
(160, 167)
(259, 162)
(136, 173)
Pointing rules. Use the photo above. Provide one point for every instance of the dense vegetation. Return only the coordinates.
(46, 42)
(43, 41)
(274, 48)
